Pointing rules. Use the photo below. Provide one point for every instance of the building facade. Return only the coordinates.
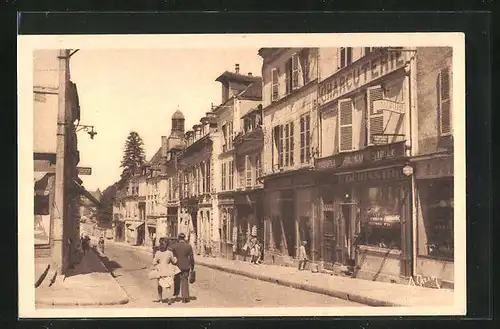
(364, 196)
(57, 187)
(199, 218)
(433, 163)
(290, 133)
(241, 94)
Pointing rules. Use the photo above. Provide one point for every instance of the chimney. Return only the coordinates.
(237, 68)
(164, 146)
(249, 74)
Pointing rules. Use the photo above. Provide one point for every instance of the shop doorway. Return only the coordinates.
(347, 213)
(288, 212)
(329, 236)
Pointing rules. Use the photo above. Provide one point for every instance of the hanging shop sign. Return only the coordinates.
(372, 154)
(84, 171)
(371, 175)
(359, 74)
(383, 220)
(434, 168)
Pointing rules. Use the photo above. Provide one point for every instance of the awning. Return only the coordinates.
(87, 194)
(42, 183)
(134, 225)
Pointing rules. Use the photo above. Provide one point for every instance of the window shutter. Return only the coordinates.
(345, 123)
(291, 144)
(445, 102)
(275, 85)
(375, 119)
(295, 71)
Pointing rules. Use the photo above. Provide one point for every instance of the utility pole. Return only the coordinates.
(59, 245)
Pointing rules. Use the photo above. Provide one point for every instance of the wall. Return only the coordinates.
(46, 100)
(290, 109)
(429, 62)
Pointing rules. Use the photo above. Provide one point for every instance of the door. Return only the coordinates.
(329, 235)
(347, 218)
(289, 226)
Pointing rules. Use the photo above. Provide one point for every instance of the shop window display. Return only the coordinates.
(438, 221)
(382, 211)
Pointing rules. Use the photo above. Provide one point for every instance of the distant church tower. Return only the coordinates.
(176, 139)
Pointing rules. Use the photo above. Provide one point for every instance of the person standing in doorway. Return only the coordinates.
(302, 256)
(185, 262)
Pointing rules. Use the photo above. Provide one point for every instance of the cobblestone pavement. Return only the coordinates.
(213, 288)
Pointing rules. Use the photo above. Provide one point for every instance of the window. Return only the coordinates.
(345, 57)
(444, 101)
(224, 138)
(258, 165)
(208, 176)
(229, 135)
(275, 85)
(368, 50)
(230, 175)
(223, 176)
(304, 63)
(382, 209)
(277, 229)
(288, 76)
(285, 144)
(437, 238)
(346, 125)
(203, 177)
(42, 205)
(305, 138)
(248, 171)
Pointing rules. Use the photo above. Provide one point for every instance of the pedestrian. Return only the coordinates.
(185, 262)
(164, 262)
(302, 256)
(256, 253)
(155, 247)
(85, 244)
(101, 244)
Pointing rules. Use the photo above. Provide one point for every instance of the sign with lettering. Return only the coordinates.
(372, 175)
(373, 154)
(84, 170)
(434, 168)
(380, 139)
(359, 74)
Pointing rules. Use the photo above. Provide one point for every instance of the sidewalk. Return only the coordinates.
(89, 283)
(371, 293)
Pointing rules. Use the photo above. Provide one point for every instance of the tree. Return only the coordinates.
(133, 155)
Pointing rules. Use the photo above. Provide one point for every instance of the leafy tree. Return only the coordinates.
(133, 155)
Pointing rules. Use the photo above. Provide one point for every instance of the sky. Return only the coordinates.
(138, 90)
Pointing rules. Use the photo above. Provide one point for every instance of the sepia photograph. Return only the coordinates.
(242, 175)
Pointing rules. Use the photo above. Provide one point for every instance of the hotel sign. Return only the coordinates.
(359, 74)
(372, 155)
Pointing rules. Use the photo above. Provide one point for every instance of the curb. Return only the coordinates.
(123, 300)
(304, 286)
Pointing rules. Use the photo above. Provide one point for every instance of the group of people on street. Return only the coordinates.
(85, 243)
(173, 267)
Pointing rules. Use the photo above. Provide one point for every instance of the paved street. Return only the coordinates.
(213, 288)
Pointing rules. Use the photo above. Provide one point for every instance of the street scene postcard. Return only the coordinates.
(241, 175)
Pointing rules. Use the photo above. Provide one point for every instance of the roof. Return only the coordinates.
(156, 158)
(254, 91)
(177, 115)
(237, 77)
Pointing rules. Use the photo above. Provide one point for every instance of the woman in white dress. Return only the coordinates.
(164, 261)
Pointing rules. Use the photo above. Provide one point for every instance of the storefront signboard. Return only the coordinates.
(372, 154)
(371, 175)
(434, 168)
(360, 74)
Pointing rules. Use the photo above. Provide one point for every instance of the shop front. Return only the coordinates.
(135, 232)
(365, 203)
(435, 219)
(227, 215)
(290, 217)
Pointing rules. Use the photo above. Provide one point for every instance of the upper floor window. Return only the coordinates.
(284, 143)
(444, 101)
(227, 132)
(230, 175)
(207, 177)
(368, 50)
(223, 176)
(275, 85)
(345, 56)
(252, 121)
(258, 166)
(248, 171)
(305, 138)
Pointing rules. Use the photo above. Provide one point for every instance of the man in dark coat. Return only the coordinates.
(185, 261)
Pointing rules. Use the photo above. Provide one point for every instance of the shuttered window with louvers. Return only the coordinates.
(375, 118)
(444, 102)
(345, 123)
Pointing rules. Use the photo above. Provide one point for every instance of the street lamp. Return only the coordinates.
(88, 129)
(408, 170)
